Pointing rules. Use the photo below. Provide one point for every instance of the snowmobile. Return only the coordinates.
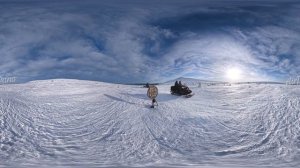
(181, 90)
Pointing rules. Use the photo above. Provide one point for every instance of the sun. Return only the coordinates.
(233, 74)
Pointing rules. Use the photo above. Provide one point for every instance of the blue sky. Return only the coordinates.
(149, 41)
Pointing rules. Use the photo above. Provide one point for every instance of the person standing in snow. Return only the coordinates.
(154, 103)
(152, 94)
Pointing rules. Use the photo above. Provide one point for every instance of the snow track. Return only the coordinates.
(93, 124)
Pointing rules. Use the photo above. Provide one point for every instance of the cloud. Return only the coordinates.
(274, 46)
(142, 41)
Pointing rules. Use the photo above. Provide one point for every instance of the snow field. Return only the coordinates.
(84, 123)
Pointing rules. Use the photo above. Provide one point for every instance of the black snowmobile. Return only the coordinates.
(181, 90)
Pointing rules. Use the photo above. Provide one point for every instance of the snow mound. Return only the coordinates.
(92, 124)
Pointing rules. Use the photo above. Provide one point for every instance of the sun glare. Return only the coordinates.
(233, 74)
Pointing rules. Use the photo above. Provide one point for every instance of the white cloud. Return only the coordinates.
(118, 42)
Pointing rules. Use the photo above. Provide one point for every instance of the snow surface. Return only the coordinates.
(67, 123)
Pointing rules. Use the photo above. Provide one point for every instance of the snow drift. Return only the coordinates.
(84, 123)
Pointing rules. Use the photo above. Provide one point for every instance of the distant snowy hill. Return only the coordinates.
(191, 81)
(74, 123)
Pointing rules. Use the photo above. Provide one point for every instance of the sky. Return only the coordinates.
(133, 41)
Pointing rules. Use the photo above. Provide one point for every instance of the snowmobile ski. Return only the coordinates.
(189, 95)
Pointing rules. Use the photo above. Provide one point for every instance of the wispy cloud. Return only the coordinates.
(142, 41)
